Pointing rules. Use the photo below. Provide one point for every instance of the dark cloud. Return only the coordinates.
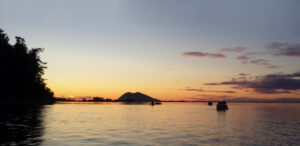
(245, 99)
(268, 84)
(215, 96)
(224, 83)
(297, 74)
(201, 90)
(284, 49)
(206, 97)
(275, 100)
(263, 63)
(201, 54)
(211, 83)
(236, 50)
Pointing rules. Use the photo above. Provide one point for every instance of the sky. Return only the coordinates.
(170, 50)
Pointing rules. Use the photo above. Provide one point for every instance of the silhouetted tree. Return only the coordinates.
(21, 71)
(98, 99)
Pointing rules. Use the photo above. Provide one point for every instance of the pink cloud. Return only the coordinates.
(264, 63)
(201, 54)
(243, 59)
(236, 49)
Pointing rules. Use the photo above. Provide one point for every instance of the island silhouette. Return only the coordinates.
(21, 71)
(136, 97)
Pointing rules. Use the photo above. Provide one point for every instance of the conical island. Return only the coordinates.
(136, 97)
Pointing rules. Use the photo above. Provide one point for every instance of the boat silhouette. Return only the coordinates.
(153, 102)
(222, 106)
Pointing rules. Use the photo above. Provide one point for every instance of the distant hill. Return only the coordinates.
(136, 97)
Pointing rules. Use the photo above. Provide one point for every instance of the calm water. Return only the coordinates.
(166, 124)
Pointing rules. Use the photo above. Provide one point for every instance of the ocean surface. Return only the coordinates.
(141, 124)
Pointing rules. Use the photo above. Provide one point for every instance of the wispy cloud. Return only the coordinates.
(267, 84)
(215, 96)
(274, 49)
(263, 63)
(201, 54)
(253, 99)
(236, 49)
(284, 49)
(243, 59)
(209, 97)
(201, 90)
(244, 99)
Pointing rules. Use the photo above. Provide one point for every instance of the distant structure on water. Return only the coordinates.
(222, 106)
(153, 102)
(210, 103)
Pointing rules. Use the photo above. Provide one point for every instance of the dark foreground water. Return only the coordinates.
(166, 124)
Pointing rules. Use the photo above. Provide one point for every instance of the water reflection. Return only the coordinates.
(168, 124)
(21, 125)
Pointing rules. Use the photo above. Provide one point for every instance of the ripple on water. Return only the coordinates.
(168, 124)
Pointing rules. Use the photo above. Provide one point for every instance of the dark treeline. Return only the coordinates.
(21, 71)
(100, 99)
(94, 99)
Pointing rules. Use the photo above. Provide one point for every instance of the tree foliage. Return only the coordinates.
(21, 71)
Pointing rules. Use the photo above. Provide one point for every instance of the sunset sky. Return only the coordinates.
(167, 49)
